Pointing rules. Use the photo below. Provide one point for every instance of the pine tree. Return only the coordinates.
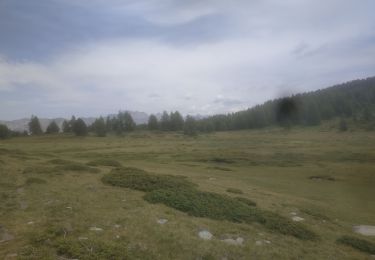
(176, 121)
(80, 127)
(52, 128)
(34, 126)
(153, 123)
(129, 124)
(4, 132)
(66, 127)
(165, 121)
(99, 127)
(190, 127)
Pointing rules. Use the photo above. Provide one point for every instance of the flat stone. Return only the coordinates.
(205, 235)
(236, 242)
(83, 238)
(96, 229)
(23, 205)
(297, 219)
(162, 221)
(12, 255)
(365, 230)
(30, 223)
(293, 213)
(259, 243)
(117, 226)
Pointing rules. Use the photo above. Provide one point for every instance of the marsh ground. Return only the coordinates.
(52, 197)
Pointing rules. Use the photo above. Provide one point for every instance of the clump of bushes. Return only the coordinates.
(220, 207)
(137, 179)
(322, 177)
(34, 180)
(234, 190)
(359, 244)
(181, 194)
(104, 162)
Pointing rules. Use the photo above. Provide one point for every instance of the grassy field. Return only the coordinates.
(53, 202)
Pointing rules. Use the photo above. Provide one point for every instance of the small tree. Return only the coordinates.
(52, 128)
(129, 125)
(165, 121)
(190, 127)
(4, 132)
(176, 121)
(34, 126)
(66, 127)
(153, 123)
(99, 127)
(80, 127)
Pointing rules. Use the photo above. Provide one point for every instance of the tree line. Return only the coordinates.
(354, 99)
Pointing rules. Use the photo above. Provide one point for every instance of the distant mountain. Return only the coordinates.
(21, 125)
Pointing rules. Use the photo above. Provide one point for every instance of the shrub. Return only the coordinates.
(221, 207)
(221, 160)
(234, 190)
(138, 179)
(359, 244)
(322, 177)
(104, 162)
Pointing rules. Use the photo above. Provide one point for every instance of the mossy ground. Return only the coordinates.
(271, 167)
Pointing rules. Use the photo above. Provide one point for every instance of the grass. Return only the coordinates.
(357, 243)
(76, 167)
(271, 166)
(104, 162)
(234, 190)
(34, 180)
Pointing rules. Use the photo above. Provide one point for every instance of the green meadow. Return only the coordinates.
(67, 197)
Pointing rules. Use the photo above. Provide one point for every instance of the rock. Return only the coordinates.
(83, 238)
(237, 242)
(293, 213)
(117, 226)
(20, 190)
(258, 243)
(297, 219)
(30, 223)
(162, 221)
(68, 207)
(205, 235)
(96, 229)
(365, 230)
(267, 241)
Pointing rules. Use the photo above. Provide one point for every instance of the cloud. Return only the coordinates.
(194, 56)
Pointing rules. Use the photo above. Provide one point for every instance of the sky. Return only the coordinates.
(96, 57)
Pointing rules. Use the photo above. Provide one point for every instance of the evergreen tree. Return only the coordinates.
(129, 122)
(153, 123)
(190, 127)
(165, 121)
(80, 128)
(176, 122)
(66, 127)
(99, 127)
(4, 132)
(52, 128)
(34, 126)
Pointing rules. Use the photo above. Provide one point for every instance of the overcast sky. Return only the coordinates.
(95, 57)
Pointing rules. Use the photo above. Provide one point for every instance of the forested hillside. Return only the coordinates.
(354, 99)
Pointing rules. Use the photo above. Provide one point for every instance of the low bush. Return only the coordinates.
(322, 177)
(359, 244)
(234, 190)
(221, 160)
(104, 162)
(220, 207)
(137, 179)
